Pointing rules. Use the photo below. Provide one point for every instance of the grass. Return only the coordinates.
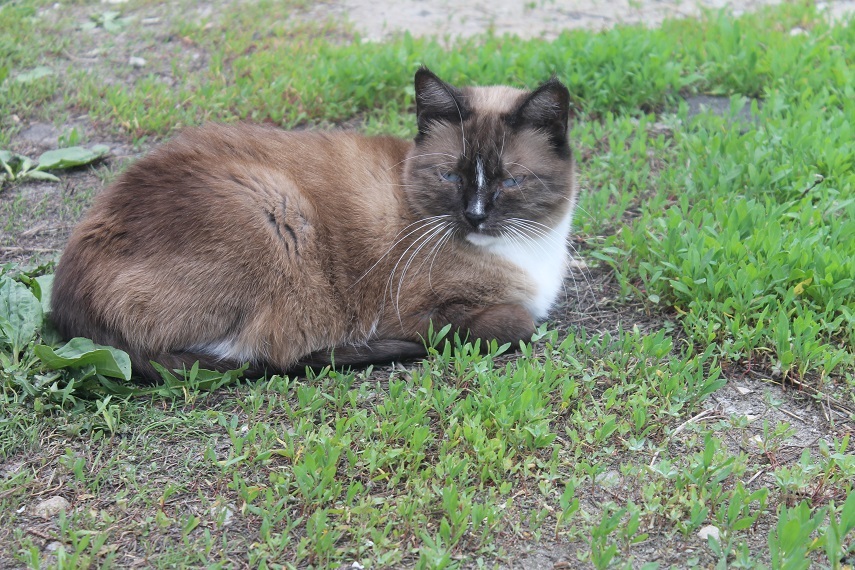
(728, 241)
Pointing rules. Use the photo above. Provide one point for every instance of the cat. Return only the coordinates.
(239, 243)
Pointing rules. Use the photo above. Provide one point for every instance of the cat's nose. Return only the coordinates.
(475, 213)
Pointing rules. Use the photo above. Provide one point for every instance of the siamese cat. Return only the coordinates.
(236, 244)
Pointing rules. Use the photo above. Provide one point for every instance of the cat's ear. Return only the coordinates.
(437, 101)
(547, 108)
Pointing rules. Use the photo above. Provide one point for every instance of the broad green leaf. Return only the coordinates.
(847, 515)
(20, 314)
(42, 287)
(13, 163)
(4, 71)
(80, 352)
(34, 74)
(71, 157)
(39, 175)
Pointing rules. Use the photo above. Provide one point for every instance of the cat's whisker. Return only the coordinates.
(424, 229)
(390, 280)
(532, 222)
(423, 223)
(421, 156)
(530, 172)
(508, 172)
(575, 204)
(550, 237)
(585, 272)
(434, 165)
(413, 255)
(532, 226)
(442, 241)
(522, 239)
(448, 229)
(462, 130)
(527, 239)
(545, 234)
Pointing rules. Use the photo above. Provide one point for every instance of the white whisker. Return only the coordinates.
(413, 255)
(423, 223)
(429, 232)
(539, 229)
(442, 241)
(420, 156)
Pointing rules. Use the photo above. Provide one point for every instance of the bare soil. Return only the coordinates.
(537, 18)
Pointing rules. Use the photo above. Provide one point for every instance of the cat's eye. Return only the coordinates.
(511, 182)
(451, 177)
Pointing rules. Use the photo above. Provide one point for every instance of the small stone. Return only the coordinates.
(150, 21)
(53, 546)
(659, 128)
(709, 531)
(798, 31)
(356, 566)
(136, 61)
(225, 511)
(51, 507)
(743, 390)
(608, 479)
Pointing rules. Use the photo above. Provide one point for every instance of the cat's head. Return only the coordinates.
(494, 161)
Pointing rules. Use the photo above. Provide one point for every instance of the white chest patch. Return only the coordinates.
(543, 258)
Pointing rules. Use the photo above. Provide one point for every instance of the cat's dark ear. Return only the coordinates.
(437, 101)
(547, 108)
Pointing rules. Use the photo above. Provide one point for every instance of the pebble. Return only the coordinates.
(708, 531)
(136, 61)
(51, 507)
(609, 478)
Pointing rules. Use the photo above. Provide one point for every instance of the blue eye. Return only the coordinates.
(451, 177)
(511, 182)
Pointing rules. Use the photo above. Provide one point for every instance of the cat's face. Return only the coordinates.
(494, 162)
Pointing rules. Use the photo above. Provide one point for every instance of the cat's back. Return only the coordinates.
(208, 182)
(241, 156)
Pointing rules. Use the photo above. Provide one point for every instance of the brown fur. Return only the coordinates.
(289, 248)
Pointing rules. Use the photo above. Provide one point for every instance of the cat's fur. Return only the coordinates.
(240, 243)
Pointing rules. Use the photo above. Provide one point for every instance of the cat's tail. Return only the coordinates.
(143, 367)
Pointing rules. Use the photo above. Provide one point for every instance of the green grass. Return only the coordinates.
(735, 238)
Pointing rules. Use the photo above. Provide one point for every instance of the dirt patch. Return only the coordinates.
(377, 21)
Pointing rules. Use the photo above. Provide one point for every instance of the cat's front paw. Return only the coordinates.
(502, 323)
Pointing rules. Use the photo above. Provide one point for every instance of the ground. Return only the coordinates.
(38, 217)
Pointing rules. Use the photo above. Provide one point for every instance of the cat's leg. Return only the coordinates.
(507, 322)
(503, 323)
